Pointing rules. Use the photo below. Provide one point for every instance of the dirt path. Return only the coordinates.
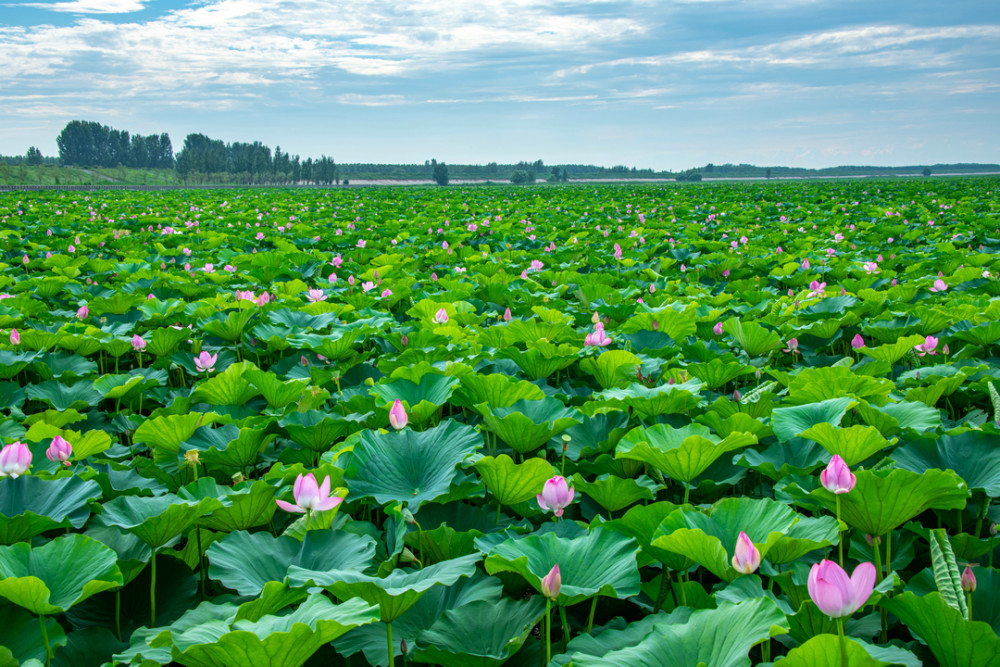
(97, 175)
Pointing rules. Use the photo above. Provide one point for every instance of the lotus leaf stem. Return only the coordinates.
(565, 626)
(840, 534)
(843, 642)
(45, 639)
(392, 650)
(548, 630)
(152, 590)
(593, 608)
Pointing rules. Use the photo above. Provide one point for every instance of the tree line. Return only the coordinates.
(85, 143)
(251, 163)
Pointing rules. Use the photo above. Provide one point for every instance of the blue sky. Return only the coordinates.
(661, 84)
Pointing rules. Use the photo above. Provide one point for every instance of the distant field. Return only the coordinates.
(48, 174)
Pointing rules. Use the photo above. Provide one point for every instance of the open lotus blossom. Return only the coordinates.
(816, 288)
(857, 342)
(263, 299)
(205, 362)
(310, 496)
(552, 583)
(747, 558)
(927, 347)
(836, 594)
(792, 345)
(397, 415)
(837, 477)
(245, 295)
(15, 459)
(138, 343)
(938, 286)
(59, 450)
(870, 267)
(441, 316)
(556, 495)
(315, 295)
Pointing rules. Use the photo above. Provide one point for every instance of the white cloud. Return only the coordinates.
(91, 6)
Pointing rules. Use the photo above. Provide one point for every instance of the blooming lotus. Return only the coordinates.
(205, 362)
(315, 295)
(556, 495)
(59, 450)
(747, 558)
(834, 593)
(397, 415)
(927, 347)
(441, 316)
(792, 345)
(15, 459)
(310, 496)
(837, 477)
(939, 286)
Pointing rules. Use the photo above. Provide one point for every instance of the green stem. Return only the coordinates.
(840, 535)
(593, 608)
(843, 642)
(662, 593)
(968, 602)
(388, 640)
(878, 560)
(308, 519)
(45, 639)
(548, 631)
(152, 590)
(888, 553)
(565, 626)
(118, 613)
(687, 492)
(498, 513)
(201, 560)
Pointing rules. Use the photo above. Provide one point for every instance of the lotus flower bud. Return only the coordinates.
(441, 316)
(837, 477)
(857, 342)
(397, 415)
(552, 583)
(15, 338)
(15, 459)
(556, 495)
(747, 557)
(59, 451)
(717, 329)
(968, 580)
(836, 594)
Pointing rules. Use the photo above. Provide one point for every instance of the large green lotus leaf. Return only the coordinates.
(249, 504)
(333, 347)
(482, 633)
(709, 537)
(682, 453)
(541, 359)
(496, 391)
(422, 399)
(641, 522)
(317, 430)
(807, 534)
(953, 640)
(594, 435)
(133, 553)
(54, 577)
(164, 340)
(395, 593)
(169, 431)
(370, 639)
(795, 456)
(893, 418)
(511, 483)
(614, 493)
(229, 387)
(719, 637)
(246, 562)
(84, 444)
(618, 634)
(276, 392)
(648, 403)
(228, 326)
(277, 640)
(974, 455)
(116, 386)
(602, 562)
(229, 446)
(752, 337)
(156, 520)
(527, 425)
(612, 368)
(21, 636)
(893, 352)
(12, 363)
(853, 444)
(792, 421)
(78, 396)
(882, 501)
(814, 385)
(825, 651)
(718, 372)
(739, 422)
(29, 505)
(414, 467)
(985, 601)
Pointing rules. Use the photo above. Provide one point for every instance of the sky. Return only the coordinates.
(668, 84)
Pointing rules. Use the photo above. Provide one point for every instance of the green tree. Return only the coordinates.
(441, 173)
(927, 171)
(34, 156)
(519, 177)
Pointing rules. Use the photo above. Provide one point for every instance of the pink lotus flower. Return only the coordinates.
(310, 496)
(556, 495)
(138, 343)
(805, 264)
(25, 260)
(747, 558)
(816, 288)
(552, 583)
(927, 347)
(82, 312)
(15, 459)
(315, 295)
(263, 299)
(397, 415)
(59, 450)
(15, 338)
(205, 362)
(857, 342)
(968, 580)
(939, 286)
(834, 593)
(837, 477)
(441, 316)
(506, 315)
(717, 329)
(793, 345)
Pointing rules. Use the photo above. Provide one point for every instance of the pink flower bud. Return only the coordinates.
(397, 415)
(857, 342)
(556, 495)
(837, 477)
(15, 459)
(746, 558)
(552, 583)
(59, 450)
(968, 580)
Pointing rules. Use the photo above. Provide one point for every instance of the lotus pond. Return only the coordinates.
(287, 427)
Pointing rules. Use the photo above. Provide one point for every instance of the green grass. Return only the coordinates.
(48, 174)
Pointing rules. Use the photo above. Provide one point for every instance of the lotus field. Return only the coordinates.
(721, 425)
